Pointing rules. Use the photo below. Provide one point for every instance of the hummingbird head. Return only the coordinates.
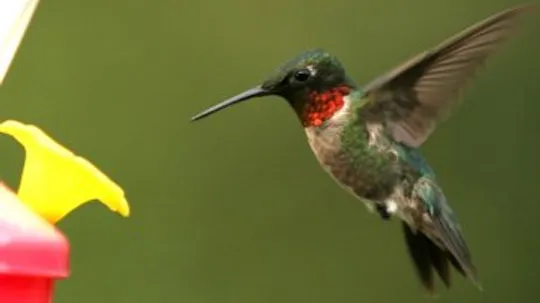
(313, 83)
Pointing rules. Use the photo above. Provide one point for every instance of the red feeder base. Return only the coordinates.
(25, 289)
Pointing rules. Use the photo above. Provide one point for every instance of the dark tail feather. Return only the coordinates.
(427, 256)
(419, 249)
(456, 248)
(439, 261)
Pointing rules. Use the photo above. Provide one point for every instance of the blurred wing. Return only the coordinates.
(418, 94)
(15, 15)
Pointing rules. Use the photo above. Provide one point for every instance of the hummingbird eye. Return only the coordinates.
(302, 75)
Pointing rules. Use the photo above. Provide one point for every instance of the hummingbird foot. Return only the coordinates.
(383, 211)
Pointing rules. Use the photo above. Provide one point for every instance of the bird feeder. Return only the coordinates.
(55, 181)
(33, 253)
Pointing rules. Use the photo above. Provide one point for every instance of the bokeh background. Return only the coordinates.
(235, 208)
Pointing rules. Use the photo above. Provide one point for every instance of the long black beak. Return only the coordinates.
(248, 94)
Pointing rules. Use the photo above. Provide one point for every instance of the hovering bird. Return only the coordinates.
(368, 137)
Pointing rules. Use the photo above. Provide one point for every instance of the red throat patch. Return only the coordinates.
(321, 106)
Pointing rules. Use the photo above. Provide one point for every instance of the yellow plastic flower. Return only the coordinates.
(55, 181)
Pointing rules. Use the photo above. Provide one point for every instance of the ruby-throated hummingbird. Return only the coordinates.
(368, 137)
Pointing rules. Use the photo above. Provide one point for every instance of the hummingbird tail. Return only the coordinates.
(428, 256)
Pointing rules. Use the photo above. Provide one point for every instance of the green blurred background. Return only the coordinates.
(235, 208)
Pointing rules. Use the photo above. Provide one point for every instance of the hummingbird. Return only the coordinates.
(368, 137)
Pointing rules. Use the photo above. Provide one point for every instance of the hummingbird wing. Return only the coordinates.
(420, 93)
